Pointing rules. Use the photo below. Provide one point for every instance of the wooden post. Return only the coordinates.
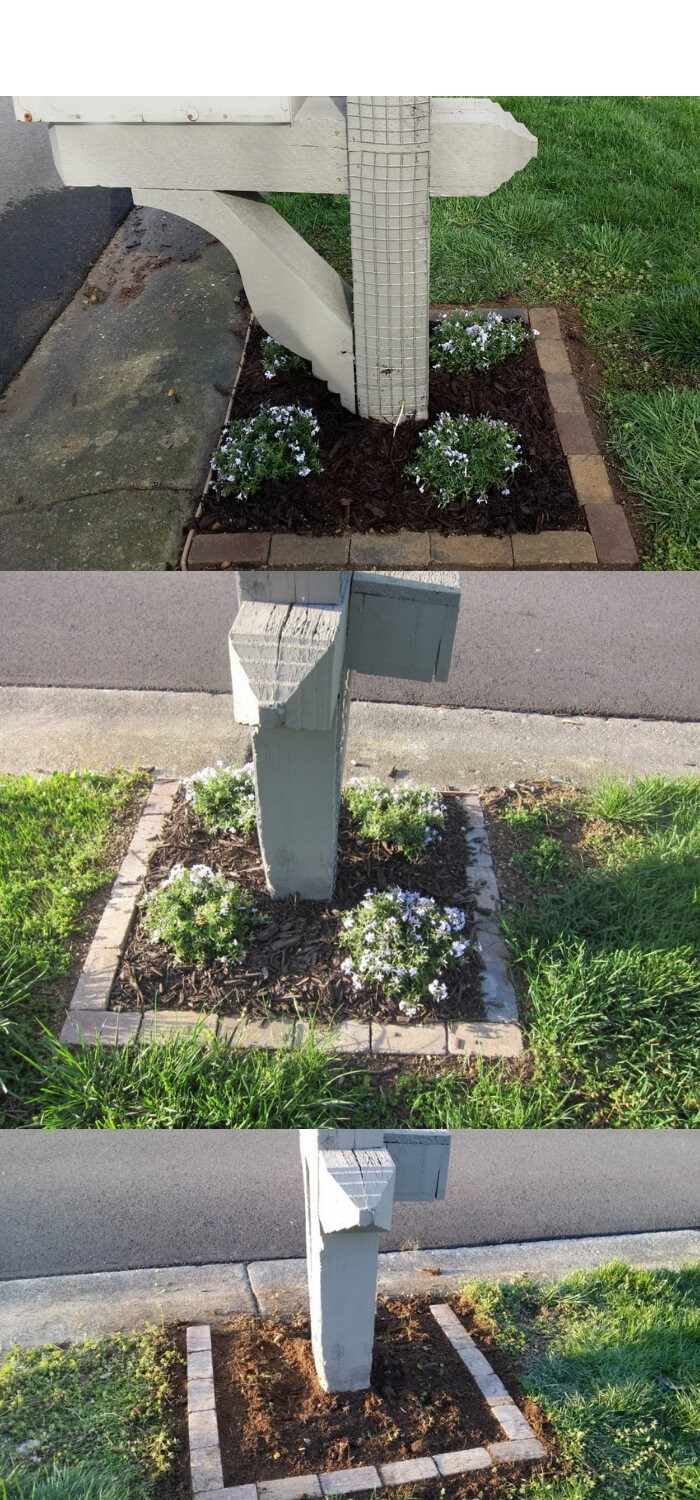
(293, 644)
(351, 1180)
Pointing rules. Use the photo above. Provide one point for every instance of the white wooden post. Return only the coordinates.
(293, 644)
(389, 182)
(391, 154)
(351, 1180)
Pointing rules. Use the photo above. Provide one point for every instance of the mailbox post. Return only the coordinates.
(352, 1178)
(293, 644)
(209, 160)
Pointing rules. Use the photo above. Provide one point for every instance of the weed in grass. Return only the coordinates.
(545, 859)
(102, 1408)
(405, 818)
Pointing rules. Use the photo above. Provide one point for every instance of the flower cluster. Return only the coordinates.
(201, 917)
(407, 818)
(405, 944)
(276, 358)
(462, 458)
(223, 797)
(278, 443)
(466, 340)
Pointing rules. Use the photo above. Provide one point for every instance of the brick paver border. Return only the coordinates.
(90, 1019)
(606, 543)
(520, 1444)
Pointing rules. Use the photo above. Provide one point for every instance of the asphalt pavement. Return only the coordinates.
(605, 644)
(50, 236)
(81, 1201)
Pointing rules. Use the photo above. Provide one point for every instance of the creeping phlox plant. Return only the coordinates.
(408, 818)
(466, 340)
(223, 797)
(202, 917)
(462, 458)
(279, 442)
(276, 358)
(405, 944)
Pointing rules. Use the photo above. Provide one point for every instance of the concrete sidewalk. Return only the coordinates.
(45, 729)
(62, 1309)
(107, 431)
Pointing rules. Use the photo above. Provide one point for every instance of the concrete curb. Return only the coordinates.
(91, 1021)
(62, 1309)
(606, 542)
(520, 1446)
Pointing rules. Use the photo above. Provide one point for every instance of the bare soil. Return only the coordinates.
(294, 965)
(363, 487)
(275, 1420)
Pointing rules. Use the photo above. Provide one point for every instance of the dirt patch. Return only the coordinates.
(363, 487)
(275, 1420)
(579, 834)
(294, 966)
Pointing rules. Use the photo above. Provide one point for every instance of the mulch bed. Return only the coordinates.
(275, 1420)
(294, 966)
(363, 488)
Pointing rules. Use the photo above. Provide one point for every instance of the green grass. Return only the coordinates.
(604, 220)
(612, 1358)
(607, 964)
(101, 1413)
(55, 833)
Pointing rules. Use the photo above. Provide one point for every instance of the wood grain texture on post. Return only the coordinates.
(389, 184)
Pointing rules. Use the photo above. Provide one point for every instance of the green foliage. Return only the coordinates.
(201, 917)
(462, 458)
(404, 944)
(195, 1082)
(612, 1358)
(77, 1482)
(657, 440)
(55, 837)
(465, 340)
(223, 797)
(406, 818)
(276, 358)
(278, 443)
(100, 1413)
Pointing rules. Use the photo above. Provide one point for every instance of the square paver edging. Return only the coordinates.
(606, 543)
(90, 1019)
(520, 1444)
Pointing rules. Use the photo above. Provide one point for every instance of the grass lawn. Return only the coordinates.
(612, 1358)
(604, 221)
(91, 1421)
(58, 835)
(602, 919)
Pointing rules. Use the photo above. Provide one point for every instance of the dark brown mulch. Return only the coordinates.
(275, 1420)
(363, 487)
(295, 963)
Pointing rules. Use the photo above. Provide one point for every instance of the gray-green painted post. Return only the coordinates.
(389, 187)
(351, 1180)
(294, 642)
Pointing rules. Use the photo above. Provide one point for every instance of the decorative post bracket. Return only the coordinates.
(352, 1178)
(293, 644)
(390, 153)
